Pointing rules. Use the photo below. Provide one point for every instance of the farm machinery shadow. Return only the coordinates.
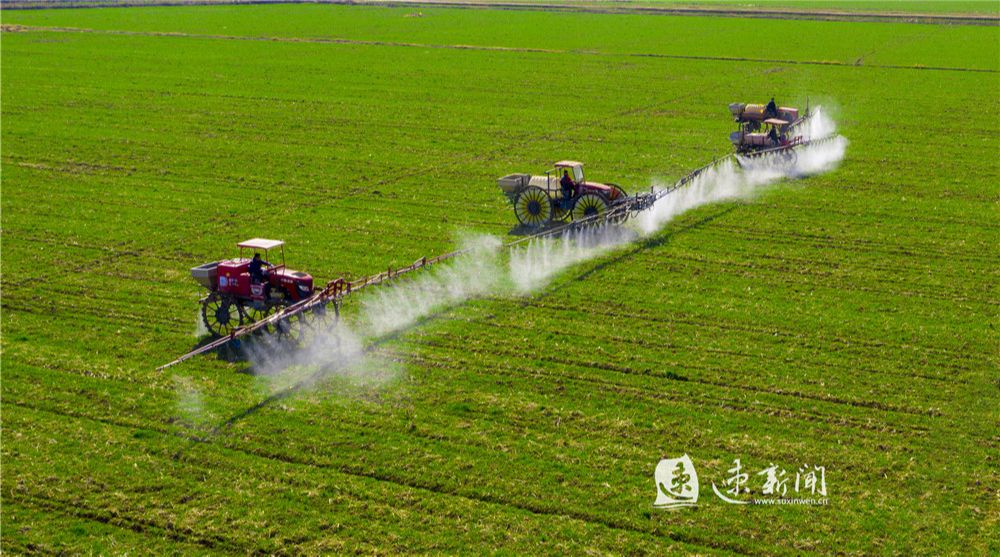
(243, 349)
(226, 352)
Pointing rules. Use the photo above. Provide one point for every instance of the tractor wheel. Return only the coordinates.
(532, 207)
(560, 213)
(621, 193)
(324, 317)
(221, 314)
(589, 205)
(621, 215)
(288, 329)
(322, 322)
(253, 314)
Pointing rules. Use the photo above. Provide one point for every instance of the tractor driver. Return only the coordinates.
(773, 135)
(771, 110)
(257, 270)
(567, 184)
(258, 273)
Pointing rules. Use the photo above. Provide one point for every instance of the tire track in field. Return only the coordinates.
(707, 400)
(143, 527)
(722, 325)
(595, 339)
(12, 28)
(46, 364)
(527, 140)
(437, 489)
(624, 369)
(879, 216)
(834, 278)
(103, 313)
(113, 253)
(855, 269)
(539, 301)
(785, 275)
(434, 488)
(862, 245)
(949, 364)
(330, 196)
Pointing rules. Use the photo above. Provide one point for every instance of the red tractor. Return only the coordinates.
(238, 298)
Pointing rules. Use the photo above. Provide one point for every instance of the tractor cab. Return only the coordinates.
(574, 168)
(257, 245)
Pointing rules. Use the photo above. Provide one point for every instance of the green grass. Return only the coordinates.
(811, 41)
(847, 320)
(964, 7)
(875, 6)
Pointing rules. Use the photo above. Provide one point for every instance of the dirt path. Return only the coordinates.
(569, 6)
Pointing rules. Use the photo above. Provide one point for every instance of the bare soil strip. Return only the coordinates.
(9, 28)
(586, 7)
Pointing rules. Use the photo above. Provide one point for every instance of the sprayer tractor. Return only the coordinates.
(561, 194)
(767, 130)
(242, 291)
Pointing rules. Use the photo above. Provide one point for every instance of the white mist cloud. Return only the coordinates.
(819, 125)
(189, 400)
(200, 330)
(475, 273)
(532, 266)
(730, 180)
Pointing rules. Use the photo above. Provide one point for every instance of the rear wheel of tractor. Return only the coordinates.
(253, 313)
(221, 314)
(619, 193)
(287, 329)
(589, 205)
(532, 207)
(324, 317)
(617, 199)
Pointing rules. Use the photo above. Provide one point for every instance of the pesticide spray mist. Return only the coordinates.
(484, 270)
(729, 181)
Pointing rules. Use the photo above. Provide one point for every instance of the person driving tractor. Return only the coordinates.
(258, 273)
(773, 135)
(567, 184)
(257, 270)
(771, 110)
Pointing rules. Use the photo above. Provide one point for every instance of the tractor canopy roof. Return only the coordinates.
(260, 243)
(776, 122)
(568, 163)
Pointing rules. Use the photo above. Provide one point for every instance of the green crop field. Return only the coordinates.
(847, 320)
